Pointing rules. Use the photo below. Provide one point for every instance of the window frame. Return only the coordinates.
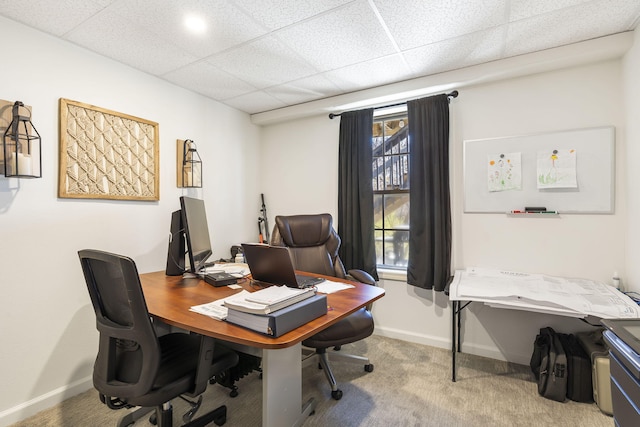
(375, 183)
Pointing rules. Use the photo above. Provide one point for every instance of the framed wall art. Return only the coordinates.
(107, 155)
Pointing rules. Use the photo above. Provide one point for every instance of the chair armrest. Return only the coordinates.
(362, 277)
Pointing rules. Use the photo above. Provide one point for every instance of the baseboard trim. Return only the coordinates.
(26, 409)
(438, 341)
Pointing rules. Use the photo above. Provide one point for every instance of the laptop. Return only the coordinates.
(272, 265)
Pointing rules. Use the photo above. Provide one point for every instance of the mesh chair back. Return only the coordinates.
(129, 353)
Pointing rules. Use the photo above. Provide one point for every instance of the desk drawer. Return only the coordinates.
(625, 393)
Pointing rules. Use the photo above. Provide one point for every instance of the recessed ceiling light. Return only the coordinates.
(195, 24)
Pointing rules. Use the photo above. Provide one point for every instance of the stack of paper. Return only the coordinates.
(541, 293)
(216, 309)
(268, 300)
(281, 321)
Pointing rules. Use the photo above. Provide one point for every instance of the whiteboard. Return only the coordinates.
(594, 172)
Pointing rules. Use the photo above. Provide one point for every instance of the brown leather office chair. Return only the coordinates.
(313, 246)
(134, 366)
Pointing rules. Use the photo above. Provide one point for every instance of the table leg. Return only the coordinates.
(282, 388)
(454, 309)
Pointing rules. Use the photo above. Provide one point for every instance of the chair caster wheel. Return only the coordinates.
(153, 419)
(233, 393)
(337, 394)
(369, 367)
(220, 421)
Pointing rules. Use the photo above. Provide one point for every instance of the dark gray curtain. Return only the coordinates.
(430, 208)
(355, 193)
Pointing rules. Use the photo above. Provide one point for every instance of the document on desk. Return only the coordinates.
(329, 287)
(538, 292)
(216, 309)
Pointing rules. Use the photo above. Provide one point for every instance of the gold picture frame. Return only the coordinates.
(107, 155)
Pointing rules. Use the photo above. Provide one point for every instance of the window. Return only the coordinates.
(390, 182)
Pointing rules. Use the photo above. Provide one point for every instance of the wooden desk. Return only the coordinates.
(170, 297)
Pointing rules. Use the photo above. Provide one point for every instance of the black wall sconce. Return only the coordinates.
(191, 173)
(21, 145)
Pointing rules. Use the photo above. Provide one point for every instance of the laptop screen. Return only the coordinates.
(270, 264)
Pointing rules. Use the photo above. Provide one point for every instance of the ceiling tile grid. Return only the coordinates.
(372, 73)
(205, 78)
(304, 90)
(263, 63)
(522, 9)
(259, 55)
(116, 37)
(342, 37)
(275, 14)
(227, 25)
(571, 25)
(416, 23)
(66, 15)
(464, 51)
(255, 102)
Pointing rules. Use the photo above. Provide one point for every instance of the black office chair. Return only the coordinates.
(134, 366)
(313, 246)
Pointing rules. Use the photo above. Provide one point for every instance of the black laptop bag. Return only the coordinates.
(549, 365)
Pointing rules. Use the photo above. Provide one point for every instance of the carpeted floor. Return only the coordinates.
(410, 386)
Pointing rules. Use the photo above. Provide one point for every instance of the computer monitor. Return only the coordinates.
(196, 232)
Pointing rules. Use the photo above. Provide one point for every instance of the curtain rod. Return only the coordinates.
(453, 94)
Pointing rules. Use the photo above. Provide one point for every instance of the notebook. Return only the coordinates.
(272, 264)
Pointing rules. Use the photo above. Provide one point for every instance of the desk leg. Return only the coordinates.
(282, 388)
(454, 310)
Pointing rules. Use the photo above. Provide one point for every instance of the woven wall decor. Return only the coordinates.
(107, 155)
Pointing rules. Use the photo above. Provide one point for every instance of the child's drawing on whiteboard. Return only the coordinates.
(504, 172)
(557, 169)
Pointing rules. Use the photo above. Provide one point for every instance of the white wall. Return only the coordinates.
(300, 164)
(631, 71)
(48, 334)
(590, 246)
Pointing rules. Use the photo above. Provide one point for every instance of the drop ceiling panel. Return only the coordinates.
(204, 78)
(371, 73)
(274, 14)
(464, 51)
(571, 25)
(226, 25)
(339, 38)
(415, 23)
(522, 9)
(263, 63)
(304, 90)
(255, 102)
(119, 38)
(54, 20)
(259, 55)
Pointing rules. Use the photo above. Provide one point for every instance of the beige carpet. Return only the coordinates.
(410, 386)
